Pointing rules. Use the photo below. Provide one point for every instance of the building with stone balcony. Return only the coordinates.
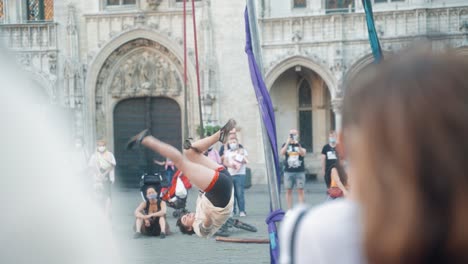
(117, 66)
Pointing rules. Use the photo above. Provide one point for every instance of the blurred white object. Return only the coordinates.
(46, 215)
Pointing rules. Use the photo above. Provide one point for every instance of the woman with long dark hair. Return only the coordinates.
(404, 130)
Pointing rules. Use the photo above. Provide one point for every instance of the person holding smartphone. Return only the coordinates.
(294, 171)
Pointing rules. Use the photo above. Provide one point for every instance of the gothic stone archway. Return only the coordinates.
(138, 68)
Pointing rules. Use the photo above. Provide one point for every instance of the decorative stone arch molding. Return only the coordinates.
(46, 82)
(358, 65)
(136, 63)
(273, 74)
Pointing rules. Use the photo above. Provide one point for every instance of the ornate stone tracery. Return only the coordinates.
(138, 68)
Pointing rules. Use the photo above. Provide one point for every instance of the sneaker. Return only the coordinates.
(136, 140)
(162, 235)
(137, 235)
(224, 132)
(188, 145)
(242, 214)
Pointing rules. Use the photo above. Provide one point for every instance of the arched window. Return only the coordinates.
(40, 10)
(305, 114)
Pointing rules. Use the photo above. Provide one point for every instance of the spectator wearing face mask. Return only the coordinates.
(329, 157)
(150, 216)
(235, 160)
(294, 171)
(102, 164)
(224, 147)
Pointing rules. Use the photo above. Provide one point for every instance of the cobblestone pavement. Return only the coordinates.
(179, 248)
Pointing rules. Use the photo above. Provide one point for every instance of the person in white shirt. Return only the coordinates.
(235, 159)
(102, 164)
(215, 202)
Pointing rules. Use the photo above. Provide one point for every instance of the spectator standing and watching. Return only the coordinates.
(329, 157)
(235, 160)
(294, 171)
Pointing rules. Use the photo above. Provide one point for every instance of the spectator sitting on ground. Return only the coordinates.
(150, 216)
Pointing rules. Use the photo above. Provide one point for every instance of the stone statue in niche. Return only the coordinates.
(144, 71)
(129, 82)
(173, 82)
(159, 75)
(117, 83)
(152, 61)
(165, 74)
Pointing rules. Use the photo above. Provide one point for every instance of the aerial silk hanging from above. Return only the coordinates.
(268, 119)
(373, 38)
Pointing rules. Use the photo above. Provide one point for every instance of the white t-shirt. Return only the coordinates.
(236, 156)
(329, 233)
(219, 215)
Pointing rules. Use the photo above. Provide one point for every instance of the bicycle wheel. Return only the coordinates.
(244, 226)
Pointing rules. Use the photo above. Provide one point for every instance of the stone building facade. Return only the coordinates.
(99, 60)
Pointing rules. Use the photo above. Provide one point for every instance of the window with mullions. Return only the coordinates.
(305, 114)
(120, 2)
(40, 10)
(300, 3)
(387, 1)
(339, 6)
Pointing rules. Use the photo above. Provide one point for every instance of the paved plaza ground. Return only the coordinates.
(179, 248)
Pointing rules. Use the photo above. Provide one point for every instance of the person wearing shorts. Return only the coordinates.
(216, 198)
(294, 170)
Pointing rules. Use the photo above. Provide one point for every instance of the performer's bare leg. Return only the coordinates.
(199, 175)
(198, 168)
(202, 145)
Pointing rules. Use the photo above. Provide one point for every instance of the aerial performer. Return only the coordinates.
(215, 202)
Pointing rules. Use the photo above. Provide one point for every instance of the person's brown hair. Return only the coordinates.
(412, 111)
(183, 229)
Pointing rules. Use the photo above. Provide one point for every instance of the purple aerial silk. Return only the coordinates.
(268, 118)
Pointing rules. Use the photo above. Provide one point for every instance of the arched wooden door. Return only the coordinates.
(159, 114)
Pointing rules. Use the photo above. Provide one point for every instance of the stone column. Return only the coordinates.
(337, 105)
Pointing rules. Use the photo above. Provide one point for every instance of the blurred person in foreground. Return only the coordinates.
(47, 217)
(404, 129)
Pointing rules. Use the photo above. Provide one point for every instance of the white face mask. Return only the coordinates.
(233, 146)
(101, 148)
